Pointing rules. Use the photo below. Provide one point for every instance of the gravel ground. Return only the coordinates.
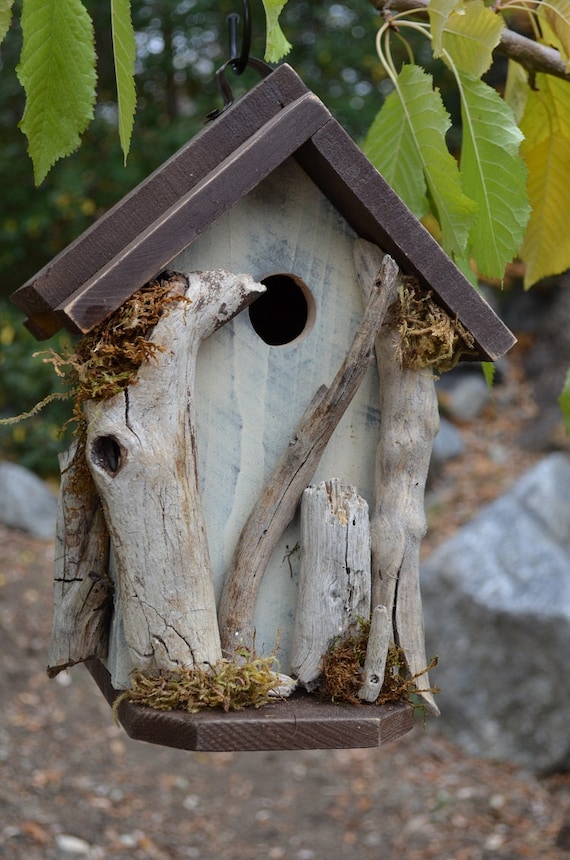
(74, 785)
(69, 771)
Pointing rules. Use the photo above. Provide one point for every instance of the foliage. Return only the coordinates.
(24, 380)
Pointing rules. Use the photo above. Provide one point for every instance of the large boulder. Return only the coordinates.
(26, 502)
(497, 612)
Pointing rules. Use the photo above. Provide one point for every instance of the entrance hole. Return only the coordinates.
(283, 313)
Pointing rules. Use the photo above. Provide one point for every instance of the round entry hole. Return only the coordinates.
(283, 313)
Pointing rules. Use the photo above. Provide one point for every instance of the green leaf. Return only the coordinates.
(57, 71)
(470, 36)
(488, 369)
(406, 143)
(276, 45)
(493, 175)
(564, 401)
(546, 150)
(439, 12)
(124, 48)
(5, 16)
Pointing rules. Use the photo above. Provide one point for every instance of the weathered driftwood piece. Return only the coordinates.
(334, 574)
(408, 425)
(276, 506)
(83, 591)
(376, 654)
(141, 449)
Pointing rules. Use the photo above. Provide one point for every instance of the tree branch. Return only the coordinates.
(533, 56)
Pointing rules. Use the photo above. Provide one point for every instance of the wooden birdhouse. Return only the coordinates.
(220, 504)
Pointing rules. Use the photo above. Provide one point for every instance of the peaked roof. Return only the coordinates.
(278, 118)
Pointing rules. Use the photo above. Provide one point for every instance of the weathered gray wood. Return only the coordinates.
(376, 654)
(334, 576)
(409, 421)
(276, 506)
(141, 449)
(83, 591)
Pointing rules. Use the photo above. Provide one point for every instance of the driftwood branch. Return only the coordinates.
(533, 56)
(334, 574)
(409, 421)
(83, 591)
(276, 506)
(141, 449)
(376, 654)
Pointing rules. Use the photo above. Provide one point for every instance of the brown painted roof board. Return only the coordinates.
(278, 118)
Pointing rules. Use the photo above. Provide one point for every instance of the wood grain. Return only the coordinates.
(300, 722)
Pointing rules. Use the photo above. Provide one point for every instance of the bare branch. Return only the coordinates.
(530, 54)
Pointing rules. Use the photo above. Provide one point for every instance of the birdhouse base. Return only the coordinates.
(300, 722)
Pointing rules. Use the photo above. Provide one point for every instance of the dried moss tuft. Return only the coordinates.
(107, 359)
(342, 672)
(227, 685)
(429, 336)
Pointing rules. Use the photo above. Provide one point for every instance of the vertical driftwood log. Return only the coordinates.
(141, 448)
(276, 506)
(376, 654)
(83, 591)
(334, 574)
(409, 421)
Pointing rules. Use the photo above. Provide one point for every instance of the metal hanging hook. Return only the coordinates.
(239, 57)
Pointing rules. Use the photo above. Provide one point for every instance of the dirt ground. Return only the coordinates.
(68, 771)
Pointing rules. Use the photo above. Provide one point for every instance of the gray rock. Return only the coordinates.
(468, 397)
(497, 612)
(448, 443)
(26, 502)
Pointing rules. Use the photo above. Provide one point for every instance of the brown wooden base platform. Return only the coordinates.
(300, 722)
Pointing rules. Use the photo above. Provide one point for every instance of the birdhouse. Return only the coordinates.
(254, 489)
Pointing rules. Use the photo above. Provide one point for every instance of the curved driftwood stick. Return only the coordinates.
(141, 448)
(277, 504)
(83, 591)
(409, 421)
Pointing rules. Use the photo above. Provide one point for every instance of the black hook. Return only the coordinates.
(239, 59)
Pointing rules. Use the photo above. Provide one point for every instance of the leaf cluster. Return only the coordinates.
(500, 197)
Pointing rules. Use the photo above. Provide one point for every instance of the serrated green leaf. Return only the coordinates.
(5, 16)
(546, 150)
(470, 36)
(408, 148)
(276, 45)
(439, 12)
(57, 71)
(124, 48)
(494, 176)
(564, 401)
(390, 147)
